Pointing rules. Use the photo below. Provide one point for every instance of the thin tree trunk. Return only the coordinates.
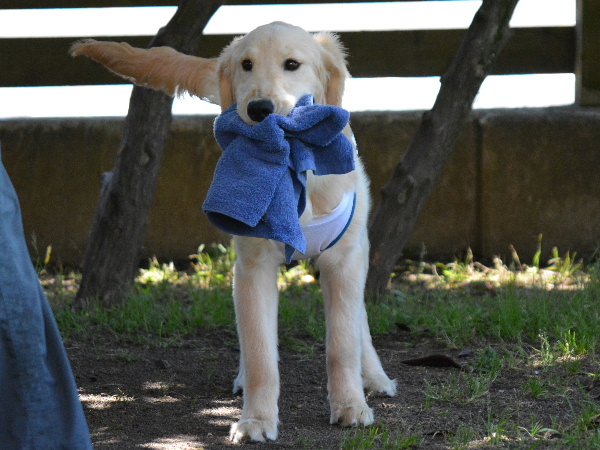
(116, 239)
(405, 194)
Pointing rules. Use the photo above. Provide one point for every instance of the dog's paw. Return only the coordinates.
(381, 385)
(248, 430)
(352, 415)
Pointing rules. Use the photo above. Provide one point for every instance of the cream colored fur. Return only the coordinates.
(352, 363)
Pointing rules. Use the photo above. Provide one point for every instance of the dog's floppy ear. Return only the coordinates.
(225, 71)
(334, 56)
(160, 68)
(225, 86)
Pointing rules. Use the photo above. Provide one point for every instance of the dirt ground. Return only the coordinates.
(180, 397)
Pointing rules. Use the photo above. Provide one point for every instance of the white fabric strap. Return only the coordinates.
(324, 231)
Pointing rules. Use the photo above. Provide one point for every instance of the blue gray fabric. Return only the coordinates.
(39, 402)
(259, 185)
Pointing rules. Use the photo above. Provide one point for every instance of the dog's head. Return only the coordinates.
(269, 69)
(265, 71)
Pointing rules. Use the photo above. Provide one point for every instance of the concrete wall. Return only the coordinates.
(514, 174)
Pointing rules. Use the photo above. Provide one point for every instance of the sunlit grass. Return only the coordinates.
(377, 437)
(466, 301)
(459, 302)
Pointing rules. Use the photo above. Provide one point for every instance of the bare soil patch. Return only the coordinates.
(138, 397)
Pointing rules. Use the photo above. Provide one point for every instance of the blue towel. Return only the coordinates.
(259, 186)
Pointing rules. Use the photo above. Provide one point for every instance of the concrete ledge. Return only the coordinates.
(515, 174)
(540, 174)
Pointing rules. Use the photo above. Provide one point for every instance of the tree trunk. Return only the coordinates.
(405, 194)
(116, 239)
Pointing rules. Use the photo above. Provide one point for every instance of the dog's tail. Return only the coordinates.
(159, 68)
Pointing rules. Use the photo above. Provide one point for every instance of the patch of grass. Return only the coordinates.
(164, 306)
(121, 396)
(497, 430)
(536, 387)
(379, 438)
(167, 304)
(384, 315)
(301, 314)
(537, 430)
(461, 388)
(463, 438)
(465, 303)
(467, 386)
(504, 304)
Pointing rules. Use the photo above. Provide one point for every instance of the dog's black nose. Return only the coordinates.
(259, 109)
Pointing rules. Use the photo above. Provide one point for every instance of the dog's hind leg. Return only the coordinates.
(374, 378)
(255, 296)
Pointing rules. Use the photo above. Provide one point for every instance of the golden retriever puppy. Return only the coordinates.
(267, 71)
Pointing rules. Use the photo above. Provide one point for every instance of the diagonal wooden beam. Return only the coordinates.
(405, 194)
(114, 247)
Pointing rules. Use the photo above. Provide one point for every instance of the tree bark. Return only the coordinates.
(114, 247)
(405, 194)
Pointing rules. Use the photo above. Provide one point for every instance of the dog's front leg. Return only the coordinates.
(343, 275)
(256, 299)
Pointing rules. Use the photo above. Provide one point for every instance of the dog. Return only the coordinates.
(266, 72)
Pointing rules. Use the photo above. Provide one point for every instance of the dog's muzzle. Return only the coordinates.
(258, 110)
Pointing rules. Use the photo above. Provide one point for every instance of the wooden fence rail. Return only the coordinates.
(43, 4)
(398, 53)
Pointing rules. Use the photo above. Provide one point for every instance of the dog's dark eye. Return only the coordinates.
(291, 65)
(247, 65)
